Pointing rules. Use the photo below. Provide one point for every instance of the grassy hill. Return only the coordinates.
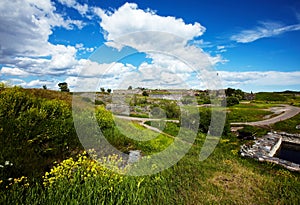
(36, 129)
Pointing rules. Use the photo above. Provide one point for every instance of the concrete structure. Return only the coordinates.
(265, 148)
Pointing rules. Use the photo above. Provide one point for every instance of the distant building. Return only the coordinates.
(249, 96)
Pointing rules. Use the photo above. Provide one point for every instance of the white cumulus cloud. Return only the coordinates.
(129, 19)
(25, 30)
(165, 39)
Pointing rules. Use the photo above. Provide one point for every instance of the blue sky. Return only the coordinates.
(250, 45)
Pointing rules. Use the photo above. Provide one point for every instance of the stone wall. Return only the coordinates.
(266, 147)
(291, 138)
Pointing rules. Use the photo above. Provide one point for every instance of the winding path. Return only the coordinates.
(142, 123)
(288, 112)
(143, 119)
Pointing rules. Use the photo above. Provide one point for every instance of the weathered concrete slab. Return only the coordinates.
(266, 147)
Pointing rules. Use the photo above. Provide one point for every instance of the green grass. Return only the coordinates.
(146, 140)
(288, 125)
(141, 115)
(253, 105)
(170, 128)
(237, 114)
(223, 178)
(252, 130)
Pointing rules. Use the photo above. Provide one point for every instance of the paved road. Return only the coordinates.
(289, 112)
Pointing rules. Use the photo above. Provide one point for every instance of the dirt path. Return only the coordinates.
(288, 112)
(142, 123)
(143, 120)
(140, 119)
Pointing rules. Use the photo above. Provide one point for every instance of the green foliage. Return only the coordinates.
(50, 95)
(252, 131)
(241, 114)
(172, 109)
(63, 87)
(264, 96)
(104, 118)
(231, 101)
(138, 100)
(239, 94)
(141, 115)
(206, 123)
(99, 102)
(170, 128)
(203, 98)
(4, 85)
(36, 129)
(288, 125)
(223, 178)
(145, 93)
(187, 100)
(138, 137)
(34, 132)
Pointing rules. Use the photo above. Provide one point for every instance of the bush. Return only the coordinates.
(104, 117)
(34, 132)
(231, 101)
(172, 110)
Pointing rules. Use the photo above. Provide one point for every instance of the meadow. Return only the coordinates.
(43, 162)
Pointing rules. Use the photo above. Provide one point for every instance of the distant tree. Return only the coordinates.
(109, 90)
(145, 93)
(232, 101)
(102, 90)
(229, 92)
(238, 93)
(63, 87)
(130, 87)
(45, 87)
(172, 110)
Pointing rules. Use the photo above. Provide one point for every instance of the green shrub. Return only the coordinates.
(231, 101)
(34, 131)
(104, 117)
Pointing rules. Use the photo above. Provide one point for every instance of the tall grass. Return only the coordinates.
(224, 178)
